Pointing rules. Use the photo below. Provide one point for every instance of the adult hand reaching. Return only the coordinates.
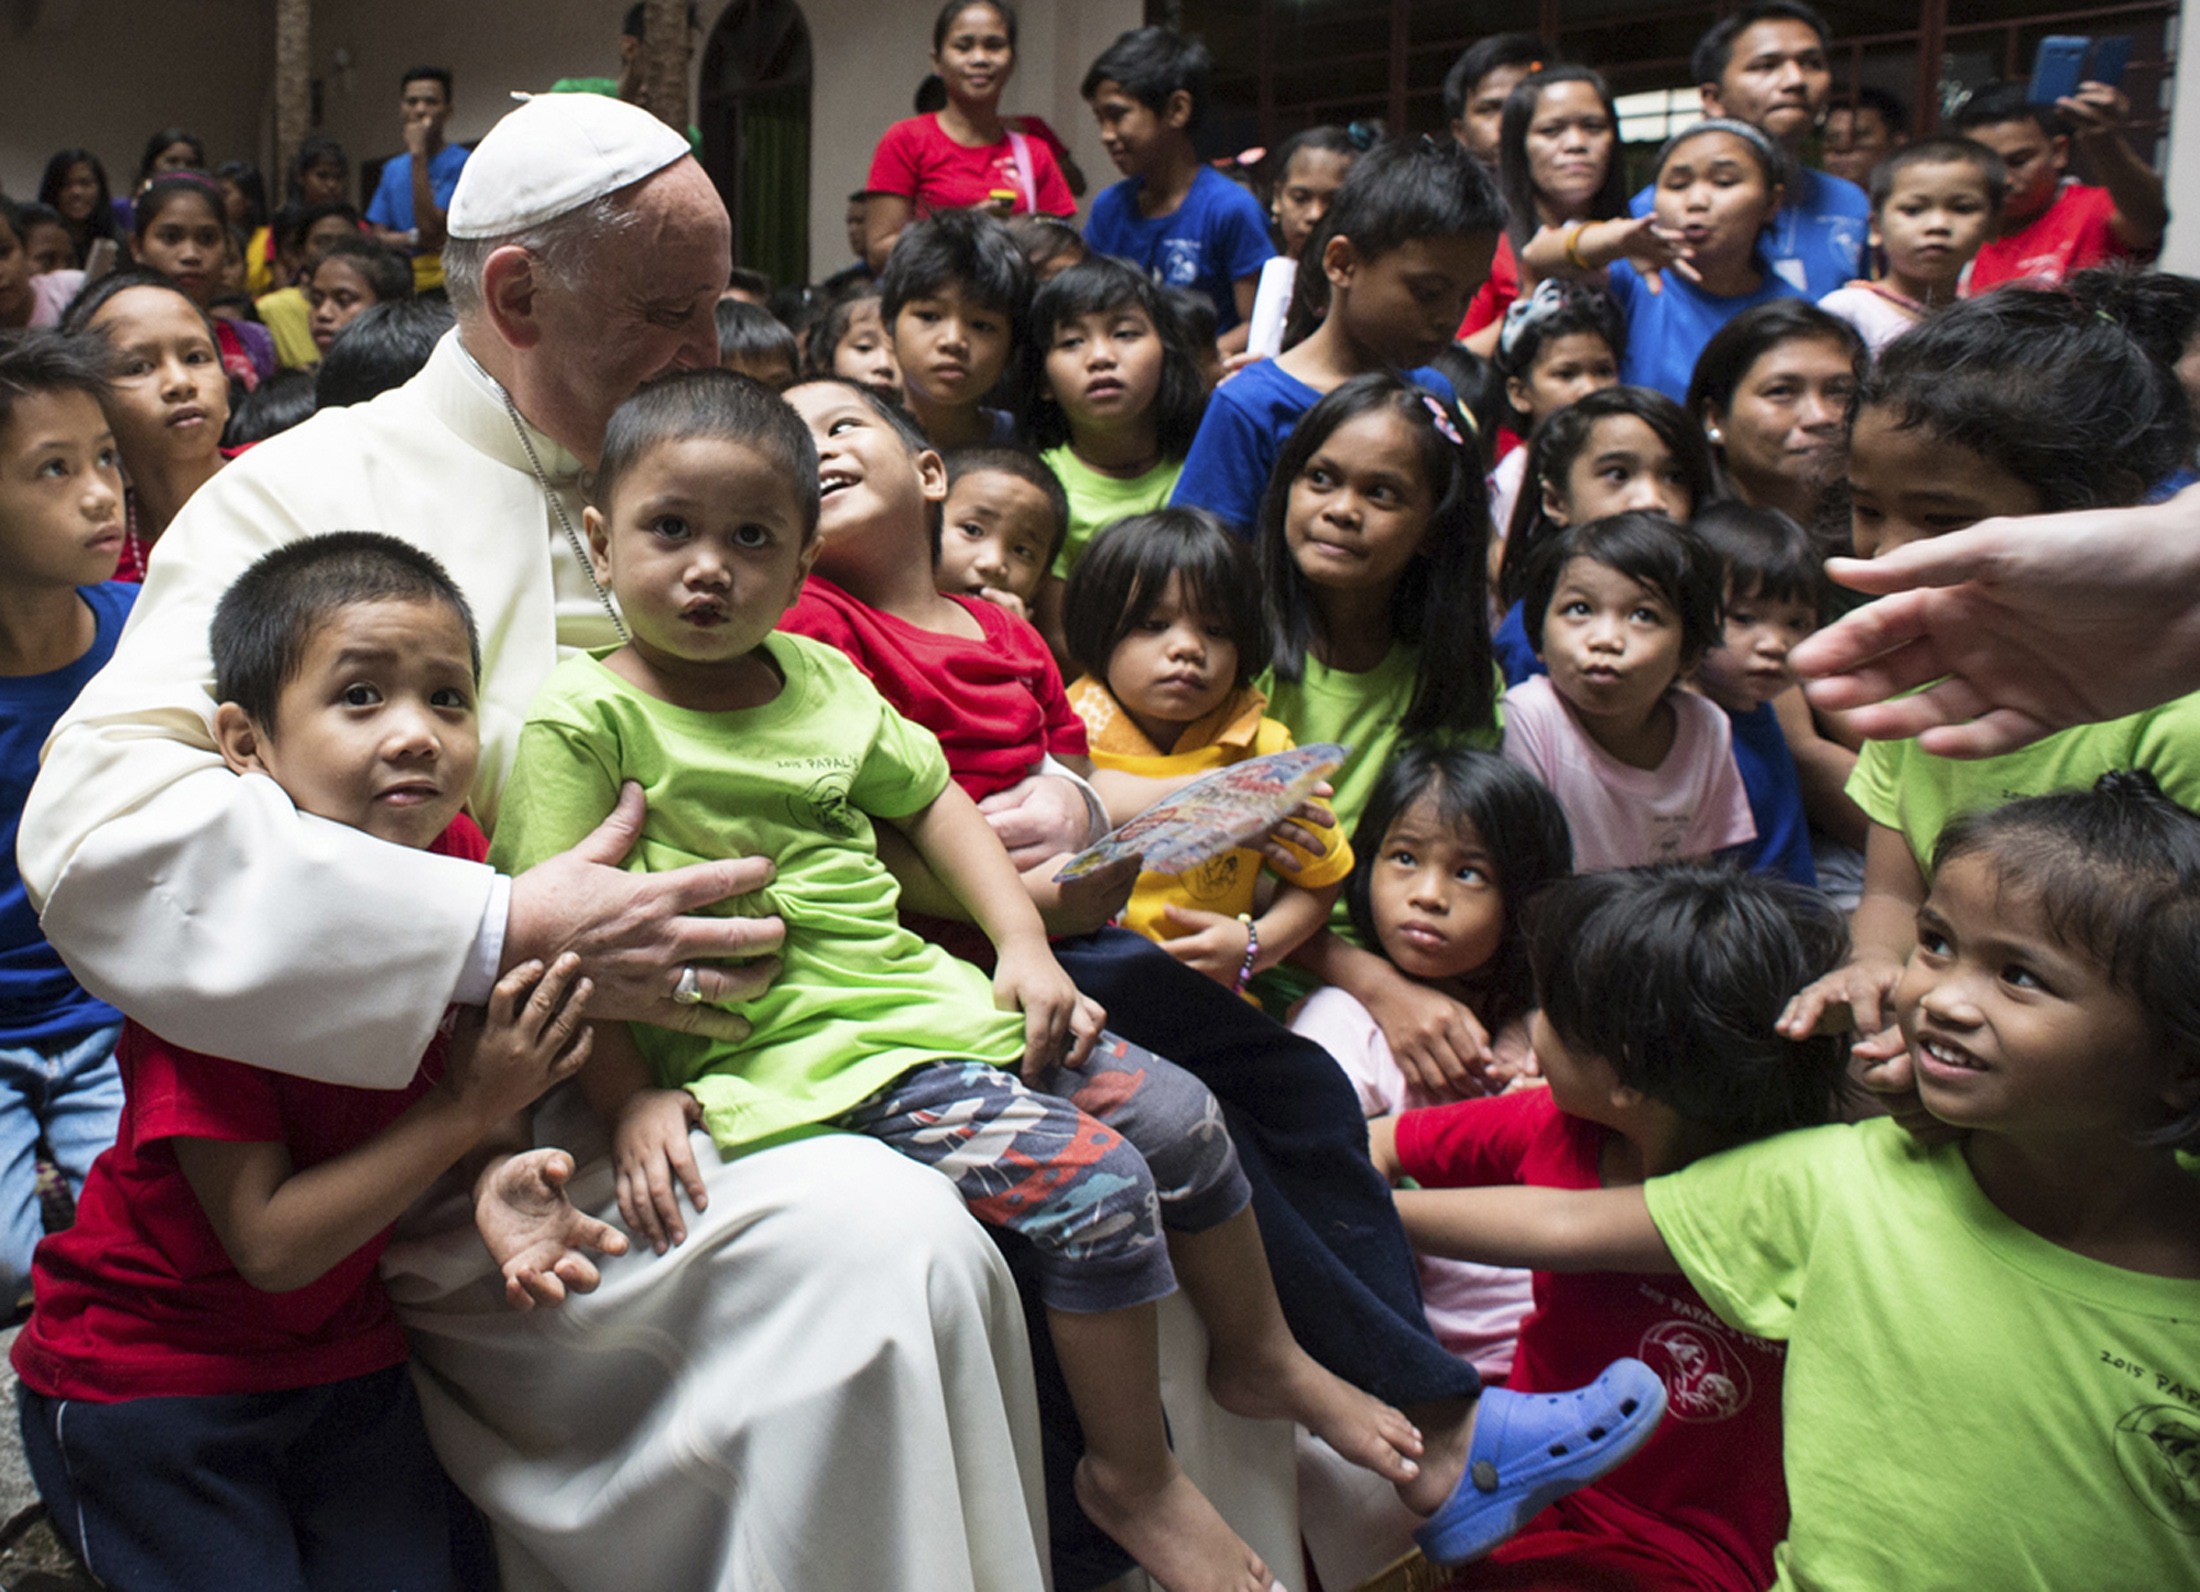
(635, 934)
(2017, 628)
(1040, 817)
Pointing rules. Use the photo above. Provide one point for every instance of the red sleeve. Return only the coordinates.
(1052, 187)
(1470, 1143)
(894, 163)
(177, 1093)
(1018, 638)
(1496, 294)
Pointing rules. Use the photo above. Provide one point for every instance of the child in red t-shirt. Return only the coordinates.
(213, 1381)
(1658, 989)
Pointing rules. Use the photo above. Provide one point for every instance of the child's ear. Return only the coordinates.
(1340, 261)
(1554, 504)
(1626, 1097)
(1176, 111)
(599, 543)
(239, 739)
(931, 475)
(1516, 394)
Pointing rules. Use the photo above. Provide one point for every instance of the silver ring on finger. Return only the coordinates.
(688, 991)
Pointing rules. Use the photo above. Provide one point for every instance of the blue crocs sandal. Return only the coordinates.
(1532, 1449)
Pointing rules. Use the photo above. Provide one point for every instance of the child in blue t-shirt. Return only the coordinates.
(1774, 581)
(1173, 215)
(60, 535)
(1405, 246)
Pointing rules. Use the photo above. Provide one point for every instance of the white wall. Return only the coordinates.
(2181, 250)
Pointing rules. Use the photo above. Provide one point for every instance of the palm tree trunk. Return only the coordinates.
(293, 82)
(665, 48)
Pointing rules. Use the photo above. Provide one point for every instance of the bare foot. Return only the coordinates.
(1172, 1531)
(1290, 1385)
(1446, 1429)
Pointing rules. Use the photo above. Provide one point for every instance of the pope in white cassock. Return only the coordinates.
(828, 1385)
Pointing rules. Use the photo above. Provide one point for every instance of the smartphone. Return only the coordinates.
(99, 259)
(2057, 67)
(2111, 54)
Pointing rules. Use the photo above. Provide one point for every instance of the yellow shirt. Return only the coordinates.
(1233, 732)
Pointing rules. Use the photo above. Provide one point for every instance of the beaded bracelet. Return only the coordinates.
(1252, 949)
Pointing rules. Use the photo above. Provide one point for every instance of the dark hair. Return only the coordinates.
(955, 8)
(1556, 308)
(749, 331)
(1477, 394)
(1441, 605)
(1025, 466)
(293, 225)
(1560, 440)
(11, 220)
(1044, 239)
(2160, 309)
(1756, 332)
(830, 328)
(1523, 832)
(2055, 392)
(743, 279)
(387, 272)
(271, 408)
(2115, 872)
(708, 403)
(1999, 103)
(1336, 140)
(1943, 152)
(1408, 189)
(265, 622)
(1485, 56)
(963, 247)
(1766, 556)
(97, 295)
(931, 94)
(385, 346)
(1100, 286)
(1151, 65)
(30, 213)
(101, 222)
(1513, 175)
(1195, 318)
(1662, 554)
(897, 419)
(33, 364)
(1772, 160)
(1893, 114)
(165, 139)
(311, 152)
(165, 191)
(1713, 52)
(1674, 975)
(428, 74)
(250, 184)
(1126, 570)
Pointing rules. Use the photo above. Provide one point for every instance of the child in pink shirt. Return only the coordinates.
(1618, 609)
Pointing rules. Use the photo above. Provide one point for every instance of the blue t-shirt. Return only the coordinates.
(1815, 242)
(1667, 330)
(1210, 242)
(392, 204)
(1775, 789)
(39, 1000)
(1226, 471)
(1509, 644)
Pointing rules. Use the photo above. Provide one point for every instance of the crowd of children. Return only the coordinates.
(1525, 508)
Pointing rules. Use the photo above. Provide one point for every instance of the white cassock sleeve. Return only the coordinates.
(202, 903)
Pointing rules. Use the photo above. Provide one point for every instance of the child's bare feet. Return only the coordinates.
(1169, 1527)
(1287, 1384)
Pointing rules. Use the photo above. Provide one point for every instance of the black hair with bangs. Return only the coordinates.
(1766, 555)
(1104, 286)
(1665, 556)
(1126, 569)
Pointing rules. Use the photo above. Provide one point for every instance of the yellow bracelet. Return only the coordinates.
(1573, 247)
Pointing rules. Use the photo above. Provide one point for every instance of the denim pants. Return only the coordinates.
(70, 1095)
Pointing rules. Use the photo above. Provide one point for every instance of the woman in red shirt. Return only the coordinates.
(963, 156)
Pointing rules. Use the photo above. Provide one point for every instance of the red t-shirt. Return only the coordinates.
(996, 703)
(2072, 233)
(140, 1300)
(1495, 295)
(918, 161)
(1705, 1502)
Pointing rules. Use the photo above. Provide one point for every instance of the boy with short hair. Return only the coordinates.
(953, 299)
(1933, 207)
(1479, 83)
(2052, 225)
(413, 195)
(754, 342)
(1861, 132)
(215, 1312)
(1004, 520)
(1172, 215)
(60, 535)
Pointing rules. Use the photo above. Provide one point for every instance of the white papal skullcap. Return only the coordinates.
(555, 153)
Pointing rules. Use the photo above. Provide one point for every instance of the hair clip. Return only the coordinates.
(1443, 421)
(1551, 295)
(1364, 135)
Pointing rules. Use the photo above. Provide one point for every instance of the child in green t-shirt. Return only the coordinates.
(749, 740)
(1992, 1378)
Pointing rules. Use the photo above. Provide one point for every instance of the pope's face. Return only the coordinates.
(644, 307)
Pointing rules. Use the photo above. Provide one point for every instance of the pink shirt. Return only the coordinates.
(1690, 805)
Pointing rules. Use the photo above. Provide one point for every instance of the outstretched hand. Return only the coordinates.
(538, 1239)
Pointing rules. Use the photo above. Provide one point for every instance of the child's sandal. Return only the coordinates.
(1532, 1449)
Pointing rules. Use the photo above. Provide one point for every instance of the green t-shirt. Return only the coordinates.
(1967, 1405)
(1905, 788)
(1097, 500)
(859, 1000)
